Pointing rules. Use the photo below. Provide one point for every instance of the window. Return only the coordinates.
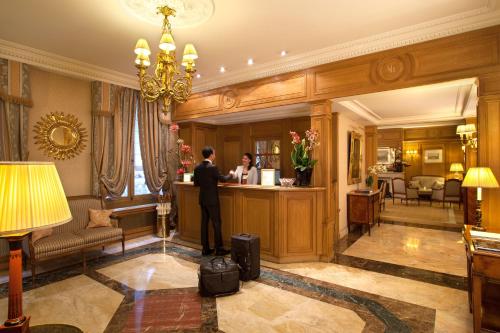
(267, 154)
(138, 180)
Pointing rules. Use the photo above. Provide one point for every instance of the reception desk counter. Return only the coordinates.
(288, 220)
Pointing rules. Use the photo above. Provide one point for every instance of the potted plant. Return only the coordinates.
(302, 160)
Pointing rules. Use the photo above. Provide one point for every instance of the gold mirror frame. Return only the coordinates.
(57, 126)
(354, 174)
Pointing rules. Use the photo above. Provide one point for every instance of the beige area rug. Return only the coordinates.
(423, 214)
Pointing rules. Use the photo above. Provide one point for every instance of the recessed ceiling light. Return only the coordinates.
(222, 69)
(198, 75)
(283, 53)
(250, 61)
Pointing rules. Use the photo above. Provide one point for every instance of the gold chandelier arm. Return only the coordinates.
(181, 88)
(151, 88)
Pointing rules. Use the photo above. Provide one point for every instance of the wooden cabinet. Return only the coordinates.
(363, 208)
(288, 220)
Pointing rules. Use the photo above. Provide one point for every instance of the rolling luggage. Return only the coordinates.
(245, 251)
(218, 277)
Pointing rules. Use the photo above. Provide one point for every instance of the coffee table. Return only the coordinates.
(425, 194)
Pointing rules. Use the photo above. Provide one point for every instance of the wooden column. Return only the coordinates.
(321, 120)
(371, 150)
(489, 145)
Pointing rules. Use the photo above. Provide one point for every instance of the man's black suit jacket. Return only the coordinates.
(207, 176)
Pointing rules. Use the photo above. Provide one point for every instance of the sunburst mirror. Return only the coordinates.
(60, 136)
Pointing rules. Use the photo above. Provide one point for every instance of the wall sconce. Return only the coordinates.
(411, 153)
(467, 134)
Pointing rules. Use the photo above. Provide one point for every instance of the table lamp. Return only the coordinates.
(480, 177)
(457, 168)
(31, 198)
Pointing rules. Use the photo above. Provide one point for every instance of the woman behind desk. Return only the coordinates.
(247, 172)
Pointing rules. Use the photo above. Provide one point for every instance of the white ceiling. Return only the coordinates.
(101, 33)
(442, 103)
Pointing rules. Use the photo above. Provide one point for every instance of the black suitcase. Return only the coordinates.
(245, 251)
(218, 277)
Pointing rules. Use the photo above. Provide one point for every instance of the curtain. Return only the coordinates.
(113, 115)
(153, 139)
(15, 101)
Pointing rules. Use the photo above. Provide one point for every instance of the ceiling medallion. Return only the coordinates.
(189, 13)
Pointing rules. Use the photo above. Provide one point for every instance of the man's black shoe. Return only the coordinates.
(207, 252)
(222, 252)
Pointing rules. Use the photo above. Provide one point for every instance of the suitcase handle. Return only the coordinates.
(218, 258)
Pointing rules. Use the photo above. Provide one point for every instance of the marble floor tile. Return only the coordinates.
(78, 301)
(154, 271)
(434, 250)
(262, 308)
(452, 309)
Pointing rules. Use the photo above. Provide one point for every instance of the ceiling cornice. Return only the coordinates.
(63, 65)
(483, 17)
(486, 16)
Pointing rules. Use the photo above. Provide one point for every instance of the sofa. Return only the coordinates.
(427, 182)
(74, 237)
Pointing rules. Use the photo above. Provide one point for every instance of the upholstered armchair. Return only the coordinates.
(401, 191)
(437, 195)
(452, 192)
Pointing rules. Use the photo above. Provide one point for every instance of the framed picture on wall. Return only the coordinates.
(433, 156)
(385, 155)
(354, 158)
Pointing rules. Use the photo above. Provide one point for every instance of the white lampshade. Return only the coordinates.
(167, 42)
(31, 197)
(142, 47)
(190, 52)
(480, 177)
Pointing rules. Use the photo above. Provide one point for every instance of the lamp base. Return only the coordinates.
(16, 325)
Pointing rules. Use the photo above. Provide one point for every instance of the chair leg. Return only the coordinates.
(84, 262)
(123, 246)
(33, 272)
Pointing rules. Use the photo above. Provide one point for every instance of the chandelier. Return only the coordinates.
(166, 83)
(468, 135)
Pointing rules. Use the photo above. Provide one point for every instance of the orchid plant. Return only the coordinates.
(183, 152)
(302, 149)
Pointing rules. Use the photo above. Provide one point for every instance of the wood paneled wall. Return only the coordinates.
(235, 140)
(390, 137)
(198, 135)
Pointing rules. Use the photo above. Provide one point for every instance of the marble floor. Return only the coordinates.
(427, 249)
(153, 289)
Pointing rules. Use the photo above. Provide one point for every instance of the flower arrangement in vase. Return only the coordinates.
(184, 154)
(302, 160)
(373, 171)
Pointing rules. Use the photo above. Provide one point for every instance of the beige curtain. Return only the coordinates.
(113, 114)
(153, 138)
(15, 101)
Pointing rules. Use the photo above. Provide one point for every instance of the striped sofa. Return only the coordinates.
(74, 237)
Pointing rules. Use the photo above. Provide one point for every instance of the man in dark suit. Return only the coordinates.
(207, 176)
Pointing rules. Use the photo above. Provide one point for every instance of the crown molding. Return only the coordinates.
(483, 17)
(63, 65)
(486, 16)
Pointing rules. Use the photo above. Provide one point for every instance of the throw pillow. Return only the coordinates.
(39, 234)
(99, 218)
(437, 185)
(414, 183)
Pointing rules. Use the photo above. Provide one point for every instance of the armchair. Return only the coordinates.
(383, 190)
(452, 192)
(401, 191)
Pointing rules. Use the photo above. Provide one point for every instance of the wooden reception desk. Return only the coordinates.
(288, 220)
